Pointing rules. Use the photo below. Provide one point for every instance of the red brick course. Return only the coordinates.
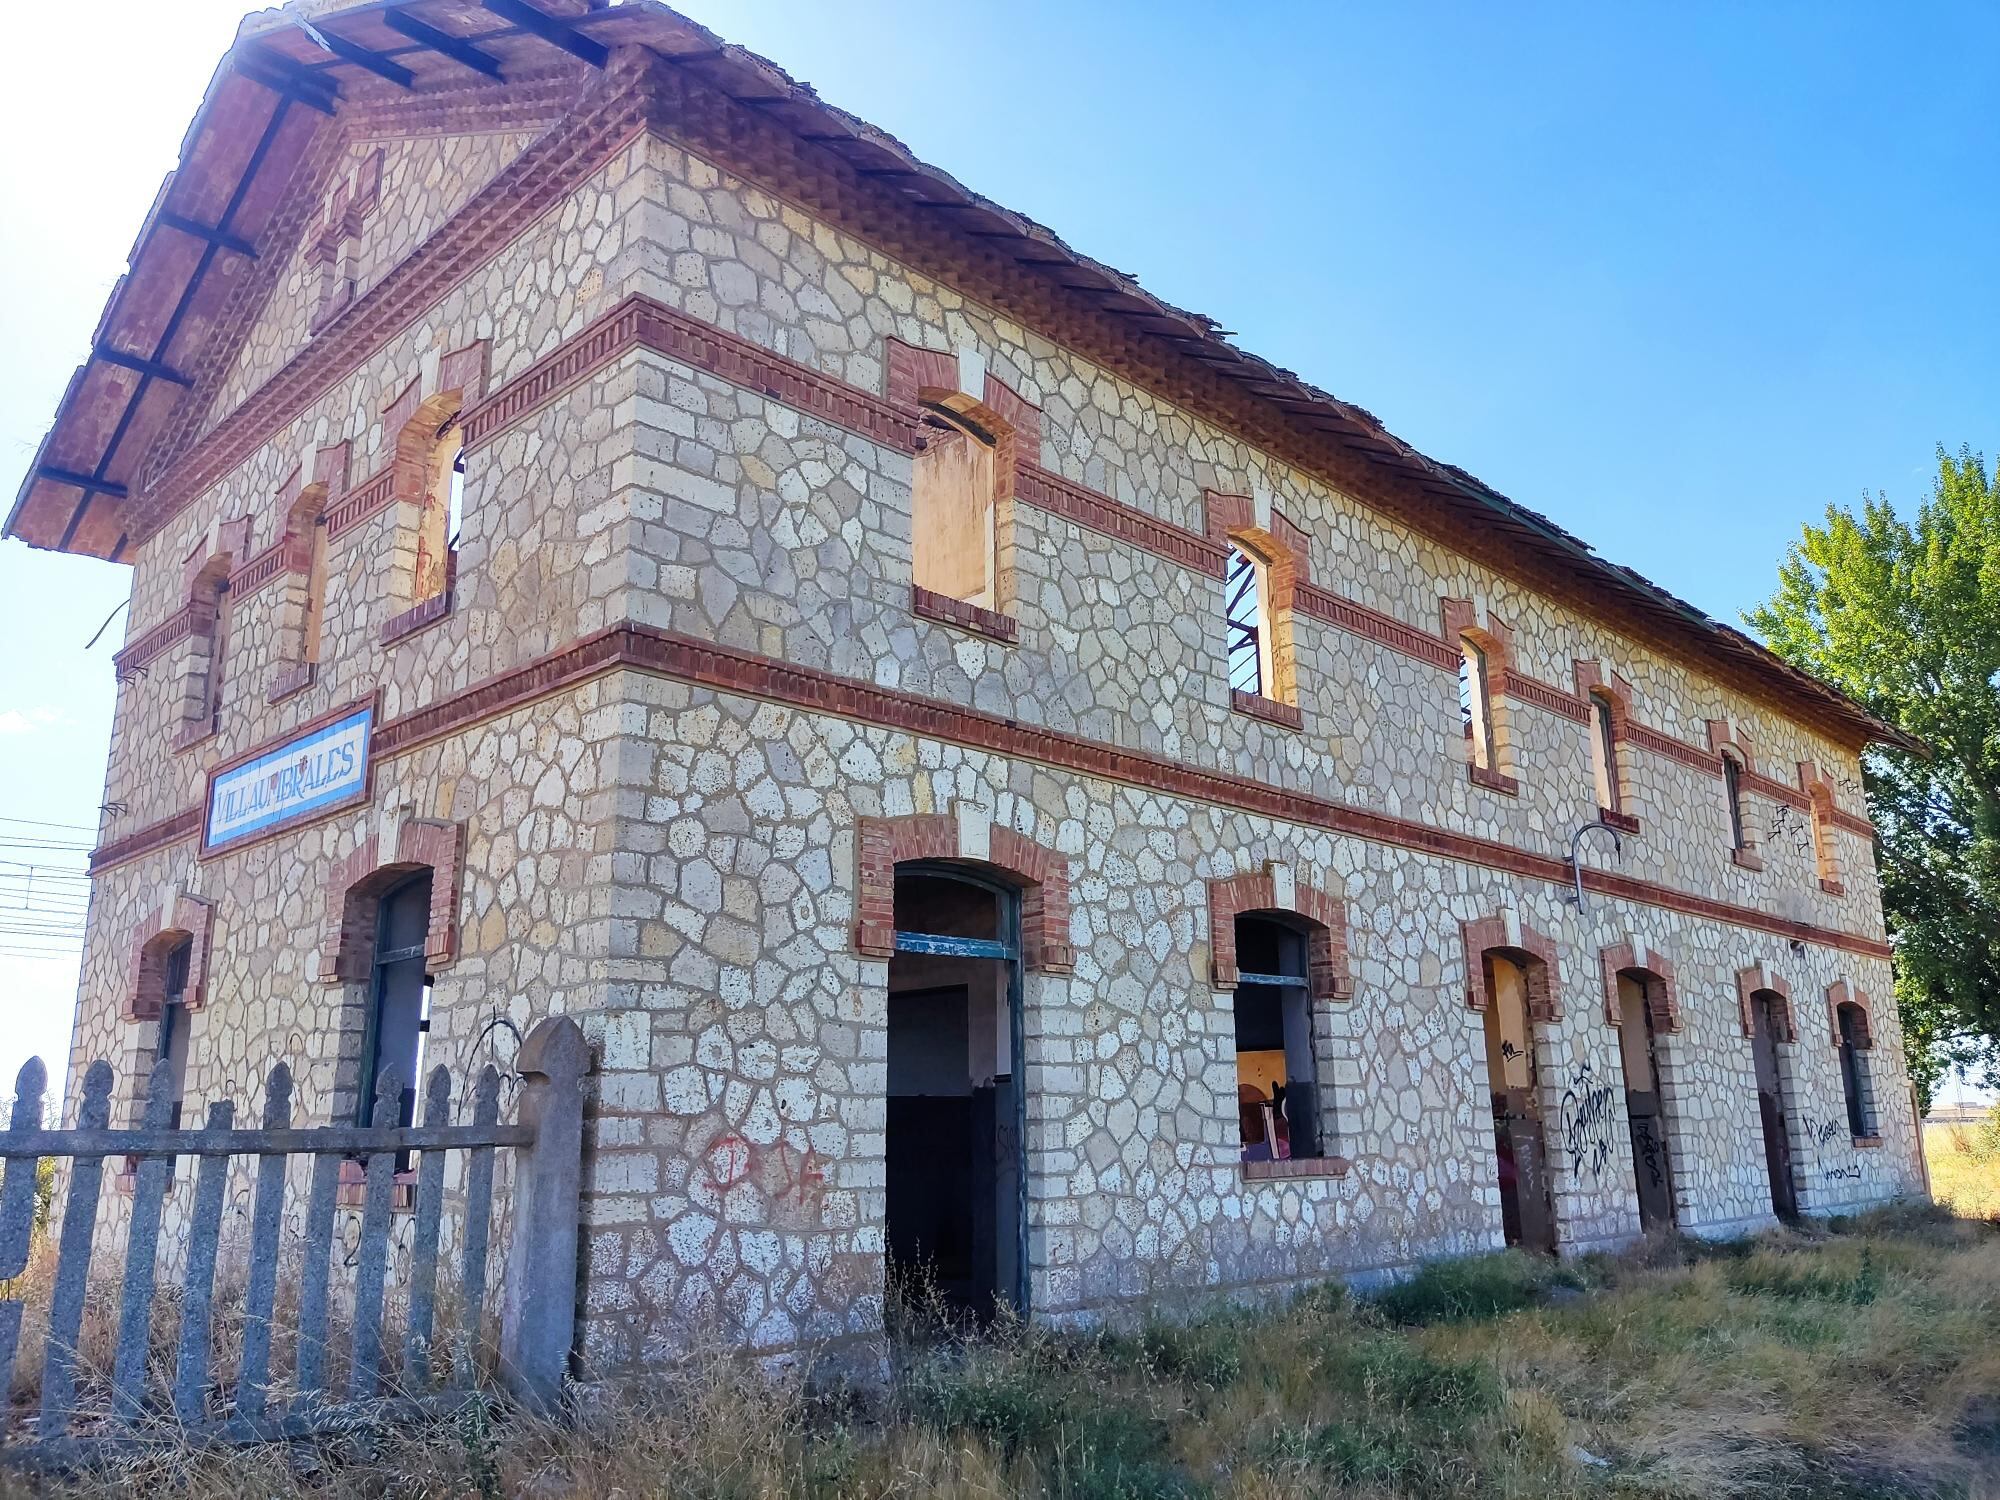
(1757, 978)
(355, 885)
(1535, 953)
(1662, 988)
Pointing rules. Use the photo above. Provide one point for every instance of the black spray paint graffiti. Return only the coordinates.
(1821, 1133)
(1646, 1145)
(1849, 1173)
(1588, 1121)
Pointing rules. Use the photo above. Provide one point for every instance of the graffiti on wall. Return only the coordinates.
(1650, 1151)
(1588, 1121)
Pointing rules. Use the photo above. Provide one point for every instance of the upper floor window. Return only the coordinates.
(1246, 609)
(1604, 753)
(1277, 1069)
(442, 513)
(954, 548)
(1732, 790)
(1475, 702)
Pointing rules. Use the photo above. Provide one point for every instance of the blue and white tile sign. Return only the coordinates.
(314, 772)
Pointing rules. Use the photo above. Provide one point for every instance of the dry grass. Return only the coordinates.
(1965, 1166)
(1859, 1360)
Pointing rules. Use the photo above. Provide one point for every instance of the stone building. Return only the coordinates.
(1009, 781)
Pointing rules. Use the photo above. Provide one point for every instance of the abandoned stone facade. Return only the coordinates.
(1261, 739)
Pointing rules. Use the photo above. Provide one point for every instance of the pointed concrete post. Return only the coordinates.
(538, 1309)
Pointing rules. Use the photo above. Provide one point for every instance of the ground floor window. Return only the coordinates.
(1277, 1071)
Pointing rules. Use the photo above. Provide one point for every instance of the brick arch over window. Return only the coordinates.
(1840, 993)
(416, 422)
(355, 886)
(1285, 550)
(1818, 787)
(205, 585)
(1655, 969)
(1469, 620)
(1041, 874)
(1274, 889)
(1758, 978)
(1600, 680)
(186, 918)
(1506, 934)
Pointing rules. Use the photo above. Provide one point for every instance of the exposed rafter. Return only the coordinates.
(88, 483)
(362, 57)
(281, 75)
(443, 42)
(139, 364)
(551, 29)
(221, 239)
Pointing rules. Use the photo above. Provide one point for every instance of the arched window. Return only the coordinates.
(954, 547)
(1246, 595)
(400, 995)
(1732, 790)
(172, 1042)
(443, 507)
(1475, 702)
(1277, 1068)
(1855, 1082)
(1604, 753)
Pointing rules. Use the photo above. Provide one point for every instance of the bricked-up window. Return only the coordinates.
(1855, 1083)
(1604, 753)
(1277, 1070)
(954, 549)
(1246, 595)
(1732, 791)
(1475, 703)
(443, 506)
(172, 1043)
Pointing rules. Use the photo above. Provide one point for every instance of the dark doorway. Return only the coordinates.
(399, 1003)
(1652, 1169)
(1277, 1075)
(955, 1117)
(1527, 1213)
(1764, 1033)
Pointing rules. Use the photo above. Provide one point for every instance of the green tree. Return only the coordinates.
(1904, 616)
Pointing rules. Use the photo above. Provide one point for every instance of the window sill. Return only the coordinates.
(1270, 710)
(1746, 859)
(1623, 822)
(292, 680)
(1867, 1142)
(1294, 1167)
(1494, 781)
(411, 620)
(928, 604)
(1833, 887)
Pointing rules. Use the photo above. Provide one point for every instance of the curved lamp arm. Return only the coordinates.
(1576, 859)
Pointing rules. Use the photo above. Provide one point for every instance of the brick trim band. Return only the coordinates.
(707, 664)
(963, 837)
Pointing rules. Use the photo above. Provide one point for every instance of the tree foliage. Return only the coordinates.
(1904, 616)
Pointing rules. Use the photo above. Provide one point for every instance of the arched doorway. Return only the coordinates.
(1645, 1100)
(399, 1010)
(955, 1185)
(1768, 1019)
(1527, 1207)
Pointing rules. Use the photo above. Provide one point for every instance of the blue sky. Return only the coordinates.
(1677, 276)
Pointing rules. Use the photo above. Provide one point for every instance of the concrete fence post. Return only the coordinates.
(538, 1310)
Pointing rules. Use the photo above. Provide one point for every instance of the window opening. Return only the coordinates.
(1277, 1071)
(954, 548)
(1475, 706)
(400, 1011)
(1604, 753)
(1853, 1076)
(173, 1038)
(1732, 788)
(1245, 590)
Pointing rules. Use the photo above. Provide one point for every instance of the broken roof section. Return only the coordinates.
(289, 73)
